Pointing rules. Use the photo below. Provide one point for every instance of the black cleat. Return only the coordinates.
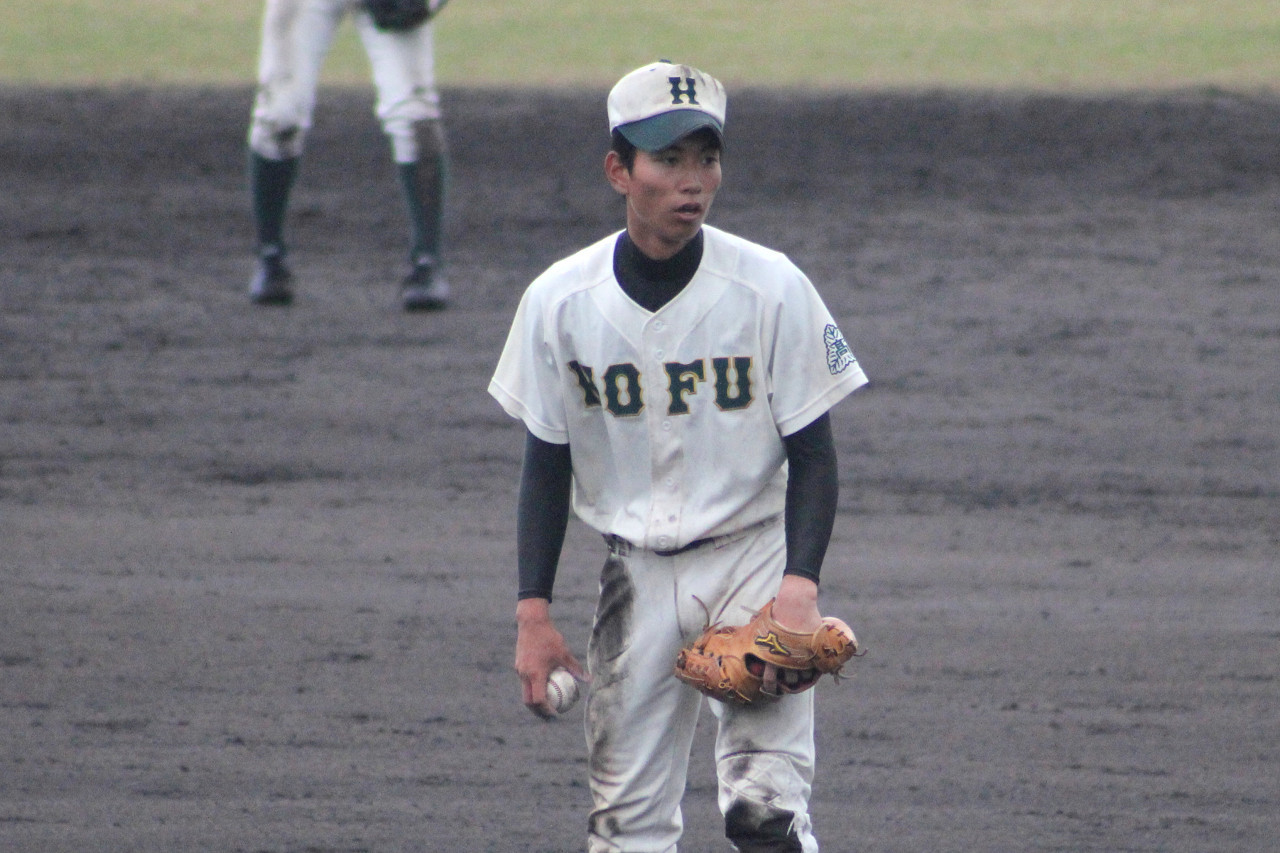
(424, 289)
(270, 285)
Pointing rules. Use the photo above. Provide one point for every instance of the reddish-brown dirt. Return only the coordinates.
(257, 585)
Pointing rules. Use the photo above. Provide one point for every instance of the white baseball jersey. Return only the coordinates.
(675, 418)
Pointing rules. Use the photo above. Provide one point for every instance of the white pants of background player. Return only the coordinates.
(640, 719)
(296, 36)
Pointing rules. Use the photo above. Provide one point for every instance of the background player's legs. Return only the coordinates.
(408, 107)
(640, 720)
(269, 183)
(296, 35)
(423, 183)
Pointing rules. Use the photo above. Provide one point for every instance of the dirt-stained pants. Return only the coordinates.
(640, 719)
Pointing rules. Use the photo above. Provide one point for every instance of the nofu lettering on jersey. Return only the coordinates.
(623, 392)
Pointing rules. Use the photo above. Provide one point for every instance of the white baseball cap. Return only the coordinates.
(659, 104)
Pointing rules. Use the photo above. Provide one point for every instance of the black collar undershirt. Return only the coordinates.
(652, 284)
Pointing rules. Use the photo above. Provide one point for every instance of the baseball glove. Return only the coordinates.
(728, 663)
(398, 15)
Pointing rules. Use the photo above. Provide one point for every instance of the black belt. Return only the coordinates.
(621, 547)
(697, 543)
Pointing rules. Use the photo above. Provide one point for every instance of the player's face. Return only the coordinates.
(669, 192)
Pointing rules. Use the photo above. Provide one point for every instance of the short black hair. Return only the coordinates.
(622, 146)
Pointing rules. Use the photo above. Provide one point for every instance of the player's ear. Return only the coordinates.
(617, 172)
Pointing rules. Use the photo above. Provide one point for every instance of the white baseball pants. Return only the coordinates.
(296, 37)
(640, 719)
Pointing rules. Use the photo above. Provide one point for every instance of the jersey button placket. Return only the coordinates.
(664, 518)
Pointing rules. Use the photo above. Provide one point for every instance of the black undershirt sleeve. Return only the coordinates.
(813, 489)
(542, 515)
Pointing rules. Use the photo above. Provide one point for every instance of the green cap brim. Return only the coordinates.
(665, 129)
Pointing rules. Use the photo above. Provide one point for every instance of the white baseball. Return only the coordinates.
(562, 690)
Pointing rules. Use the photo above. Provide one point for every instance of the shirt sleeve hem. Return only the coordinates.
(520, 412)
(825, 403)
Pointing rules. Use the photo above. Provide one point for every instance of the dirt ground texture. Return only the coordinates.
(257, 581)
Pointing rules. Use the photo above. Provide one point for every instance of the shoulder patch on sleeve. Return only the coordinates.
(839, 356)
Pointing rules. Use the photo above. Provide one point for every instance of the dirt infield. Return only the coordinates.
(257, 587)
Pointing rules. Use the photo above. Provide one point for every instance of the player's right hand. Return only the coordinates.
(540, 648)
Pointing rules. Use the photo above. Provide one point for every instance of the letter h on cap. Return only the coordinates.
(677, 93)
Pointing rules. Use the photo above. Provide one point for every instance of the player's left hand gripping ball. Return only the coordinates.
(728, 663)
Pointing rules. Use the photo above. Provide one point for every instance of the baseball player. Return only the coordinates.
(674, 381)
(296, 35)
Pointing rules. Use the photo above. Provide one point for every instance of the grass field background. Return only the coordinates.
(1071, 45)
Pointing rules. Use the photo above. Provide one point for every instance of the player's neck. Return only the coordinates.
(656, 249)
(650, 283)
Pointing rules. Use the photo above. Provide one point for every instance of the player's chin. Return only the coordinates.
(685, 228)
